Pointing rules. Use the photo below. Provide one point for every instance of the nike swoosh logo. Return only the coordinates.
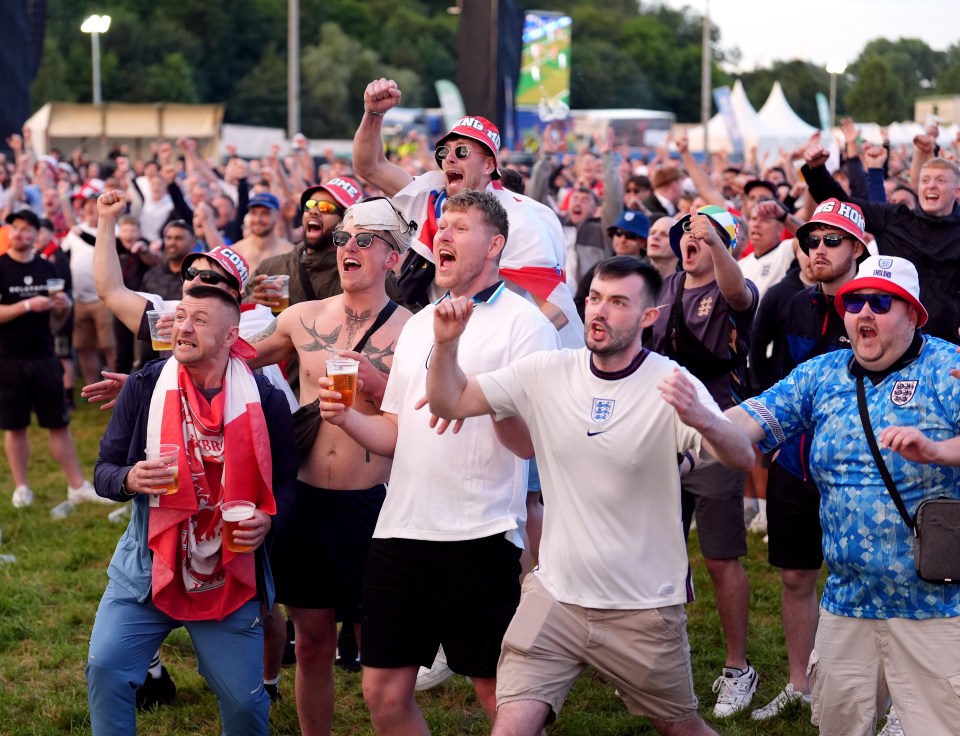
(593, 434)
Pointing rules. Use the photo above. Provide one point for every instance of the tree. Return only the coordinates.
(170, 81)
(801, 81)
(878, 94)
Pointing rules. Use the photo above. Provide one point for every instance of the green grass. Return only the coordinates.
(49, 596)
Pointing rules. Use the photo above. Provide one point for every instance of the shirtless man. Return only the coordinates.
(263, 241)
(340, 487)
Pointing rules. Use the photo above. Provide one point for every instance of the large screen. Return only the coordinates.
(545, 62)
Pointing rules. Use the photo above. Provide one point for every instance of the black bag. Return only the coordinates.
(415, 278)
(936, 544)
(936, 528)
(306, 419)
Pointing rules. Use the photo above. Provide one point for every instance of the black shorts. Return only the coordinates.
(318, 559)
(793, 521)
(32, 385)
(418, 595)
(714, 494)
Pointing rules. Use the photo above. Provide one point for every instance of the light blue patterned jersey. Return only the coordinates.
(867, 545)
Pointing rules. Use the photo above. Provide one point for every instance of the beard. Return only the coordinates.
(324, 242)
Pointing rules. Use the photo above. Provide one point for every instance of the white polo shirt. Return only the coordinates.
(607, 447)
(455, 487)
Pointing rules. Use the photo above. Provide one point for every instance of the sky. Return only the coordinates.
(822, 31)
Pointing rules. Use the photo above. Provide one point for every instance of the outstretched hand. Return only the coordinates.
(106, 390)
(441, 425)
(910, 443)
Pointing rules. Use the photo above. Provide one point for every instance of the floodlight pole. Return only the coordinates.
(705, 77)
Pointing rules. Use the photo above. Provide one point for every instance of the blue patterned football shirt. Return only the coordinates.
(867, 545)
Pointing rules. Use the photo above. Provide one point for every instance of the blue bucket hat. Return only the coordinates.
(633, 221)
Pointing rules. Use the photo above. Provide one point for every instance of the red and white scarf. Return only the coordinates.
(225, 456)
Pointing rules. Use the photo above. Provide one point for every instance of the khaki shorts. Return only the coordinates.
(643, 653)
(858, 664)
(92, 326)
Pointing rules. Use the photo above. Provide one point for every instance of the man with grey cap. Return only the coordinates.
(340, 487)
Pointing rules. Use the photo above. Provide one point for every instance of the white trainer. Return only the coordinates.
(784, 699)
(86, 494)
(736, 689)
(758, 524)
(429, 677)
(892, 727)
(22, 497)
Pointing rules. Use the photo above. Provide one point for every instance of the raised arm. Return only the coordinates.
(125, 304)
(369, 160)
(451, 393)
(704, 184)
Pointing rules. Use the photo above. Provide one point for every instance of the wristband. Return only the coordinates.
(372, 112)
(26, 304)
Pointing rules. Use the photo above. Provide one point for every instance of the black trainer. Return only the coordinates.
(156, 690)
(273, 690)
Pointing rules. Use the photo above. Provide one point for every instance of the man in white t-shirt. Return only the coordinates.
(444, 565)
(613, 574)
(771, 257)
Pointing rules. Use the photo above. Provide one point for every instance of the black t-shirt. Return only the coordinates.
(27, 336)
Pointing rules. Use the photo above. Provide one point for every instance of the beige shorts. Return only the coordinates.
(92, 326)
(858, 664)
(643, 653)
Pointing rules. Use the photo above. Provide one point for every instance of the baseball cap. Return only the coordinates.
(345, 191)
(28, 216)
(841, 215)
(754, 183)
(483, 132)
(91, 189)
(729, 227)
(228, 259)
(889, 274)
(264, 199)
(633, 221)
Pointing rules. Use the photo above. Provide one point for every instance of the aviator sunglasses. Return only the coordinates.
(879, 303)
(206, 277)
(832, 240)
(323, 207)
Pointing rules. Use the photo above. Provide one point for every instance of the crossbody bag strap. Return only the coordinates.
(881, 465)
(389, 308)
(308, 289)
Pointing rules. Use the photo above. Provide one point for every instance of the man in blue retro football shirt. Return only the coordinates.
(883, 632)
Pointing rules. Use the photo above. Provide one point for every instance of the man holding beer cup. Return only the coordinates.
(232, 435)
(340, 488)
(444, 565)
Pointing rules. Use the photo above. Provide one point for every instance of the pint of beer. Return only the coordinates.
(232, 513)
(54, 286)
(155, 317)
(280, 283)
(169, 455)
(343, 371)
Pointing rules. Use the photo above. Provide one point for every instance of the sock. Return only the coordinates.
(273, 681)
(751, 503)
(762, 506)
(155, 668)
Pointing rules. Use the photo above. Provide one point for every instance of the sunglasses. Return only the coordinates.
(206, 277)
(618, 233)
(879, 303)
(323, 207)
(461, 152)
(364, 240)
(831, 241)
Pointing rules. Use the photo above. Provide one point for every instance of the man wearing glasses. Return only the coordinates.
(340, 486)
(312, 264)
(883, 632)
(833, 241)
(468, 159)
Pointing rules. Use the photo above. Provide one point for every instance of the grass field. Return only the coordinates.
(49, 596)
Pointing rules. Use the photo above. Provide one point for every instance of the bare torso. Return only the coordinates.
(336, 462)
(254, 250)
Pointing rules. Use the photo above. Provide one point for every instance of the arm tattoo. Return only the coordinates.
(265, 333)
(320, 342)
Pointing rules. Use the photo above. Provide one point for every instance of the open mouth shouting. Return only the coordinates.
(349, 264)
(445, 259)
(454, 178)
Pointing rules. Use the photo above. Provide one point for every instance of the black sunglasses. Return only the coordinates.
(831, 240)
(879, 303)
(364, 240)
(618, 233)
(461, 152)
(206, 277)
